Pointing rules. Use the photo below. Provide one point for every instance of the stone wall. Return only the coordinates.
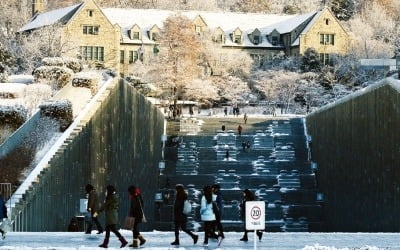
(356, 143)
(118, 143)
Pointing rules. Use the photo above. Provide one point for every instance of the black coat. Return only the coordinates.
(136, 209)
(178, 210)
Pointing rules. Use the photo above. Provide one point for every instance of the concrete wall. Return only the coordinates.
(356, 143)
(117, 143)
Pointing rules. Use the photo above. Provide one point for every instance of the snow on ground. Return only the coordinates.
(161, 240)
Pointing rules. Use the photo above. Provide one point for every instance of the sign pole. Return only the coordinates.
(255, 239)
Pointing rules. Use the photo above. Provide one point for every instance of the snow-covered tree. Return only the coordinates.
(343, 9)
(255, 6)
(203, 91)
(179, 54)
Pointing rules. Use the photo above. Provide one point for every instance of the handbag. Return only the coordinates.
(129, 222)
(144, 220)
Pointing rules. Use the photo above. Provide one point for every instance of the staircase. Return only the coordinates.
(275, 167)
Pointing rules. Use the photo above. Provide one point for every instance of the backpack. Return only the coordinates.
(187, 207)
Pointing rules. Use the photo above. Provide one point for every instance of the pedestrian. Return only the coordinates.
(3, 215)
(207, 213)
(223, 127)
(216, 189)
(227, 154)
(225, 111)
(244, 146)
(237, 111)
(245, 118)
(180, 219)
(247, 145)
(110, 208)
(136, 211)
(247, 196)
(239, 129)
(93, 207)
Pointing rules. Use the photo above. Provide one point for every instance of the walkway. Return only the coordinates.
(161, 240)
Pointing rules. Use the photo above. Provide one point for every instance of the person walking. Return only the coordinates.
(136, 211)
(110, 207)
(180, 219)
(240, 129)
(3, 215)
(225, 111)
(207, 213)
(217, 196)
(245, 118)
(247, 196)
(93, 209)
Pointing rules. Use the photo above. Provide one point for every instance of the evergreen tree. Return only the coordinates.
(343, 9)
(310, 61)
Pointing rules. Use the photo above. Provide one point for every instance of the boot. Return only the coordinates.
(244, 238)
(259, 234)
(175, 242)
(104, 244)
(123, 242)
(195, 239)
(142, 240)
(135, 243)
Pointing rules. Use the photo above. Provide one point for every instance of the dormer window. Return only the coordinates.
(153, 33)
(274, 40)
(237, 39)
(198, 29)
(135, 35)
(257, 39)
(154, 36)
(219, 38)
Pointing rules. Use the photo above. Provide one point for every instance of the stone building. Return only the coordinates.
(117, 37)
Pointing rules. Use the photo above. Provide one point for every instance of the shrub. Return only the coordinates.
(13, 116)
(86, 80)
(60, 110)
(61, 75)
(72, 63)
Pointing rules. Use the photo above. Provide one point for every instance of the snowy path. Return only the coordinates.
(161, 240)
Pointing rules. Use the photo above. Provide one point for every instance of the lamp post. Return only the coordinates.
(398, 64)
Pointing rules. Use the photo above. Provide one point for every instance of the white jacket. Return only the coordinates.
(206, 210)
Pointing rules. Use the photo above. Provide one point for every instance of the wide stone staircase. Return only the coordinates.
(275, 167)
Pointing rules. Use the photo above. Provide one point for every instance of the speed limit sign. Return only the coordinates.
(255, 215)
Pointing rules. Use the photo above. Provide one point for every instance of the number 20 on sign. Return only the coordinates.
(255, 215)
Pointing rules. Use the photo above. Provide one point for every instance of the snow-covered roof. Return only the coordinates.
(49, 18)
(227, 21)
(147, 18)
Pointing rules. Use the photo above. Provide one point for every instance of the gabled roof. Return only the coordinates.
(49, 18)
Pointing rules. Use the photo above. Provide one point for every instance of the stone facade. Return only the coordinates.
(325, 25)
(117, 38)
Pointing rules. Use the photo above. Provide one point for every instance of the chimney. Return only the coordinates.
(37, 6)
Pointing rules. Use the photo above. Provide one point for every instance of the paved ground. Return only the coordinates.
(161, 240)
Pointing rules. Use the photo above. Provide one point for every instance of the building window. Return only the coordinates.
(121, 56)
(274, 40)
(219, 38)
(133, 56)
(257, 39)
(92, 53)
(325, 58)
(237, 39)
(327, 21)
(135, 35)
(90, 30)
(154, 36)
(90, 13)
(198, 29)
(327, 39)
